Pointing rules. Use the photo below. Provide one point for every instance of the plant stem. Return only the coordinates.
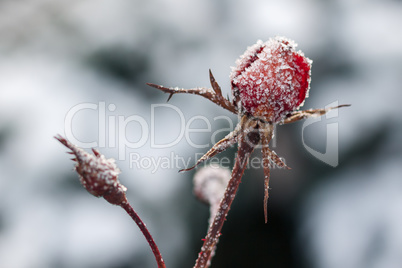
(243, 154)
(129, 209)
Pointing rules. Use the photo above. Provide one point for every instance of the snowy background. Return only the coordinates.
(55, 55)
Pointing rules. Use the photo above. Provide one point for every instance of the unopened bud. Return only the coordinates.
(210, 184)
(97, 174)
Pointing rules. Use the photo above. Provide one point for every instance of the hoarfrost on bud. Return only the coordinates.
(97, 174)
(284, 79)
(210, 184)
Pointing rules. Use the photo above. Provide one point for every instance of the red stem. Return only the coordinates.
(207, 249)
(129, 209)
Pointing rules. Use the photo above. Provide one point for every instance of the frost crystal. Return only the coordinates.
(271, 78)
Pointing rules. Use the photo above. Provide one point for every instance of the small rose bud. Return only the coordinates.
(97, 174)
(271, 79)
(209, 186)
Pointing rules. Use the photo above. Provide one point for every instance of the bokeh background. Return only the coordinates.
(55, 55)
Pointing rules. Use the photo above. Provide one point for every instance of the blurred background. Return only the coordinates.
(79, 68)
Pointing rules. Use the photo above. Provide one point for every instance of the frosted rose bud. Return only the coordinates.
(209, 186)
(210, 183)
(271, 79)
(97, 174)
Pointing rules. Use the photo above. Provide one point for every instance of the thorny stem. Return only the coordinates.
(265, 139)
(243, 136)
(299, 115)
(99, 177)
(213, 94)
(219, 147)
(243, 154)
(129, 209)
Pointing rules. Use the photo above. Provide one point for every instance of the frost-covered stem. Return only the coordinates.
(129, 209)
(213, 94)
(243, 154)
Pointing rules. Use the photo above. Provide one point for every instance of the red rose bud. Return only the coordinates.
(271, 79)
(97, 174)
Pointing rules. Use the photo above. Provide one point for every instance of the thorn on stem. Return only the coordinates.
(170, 96)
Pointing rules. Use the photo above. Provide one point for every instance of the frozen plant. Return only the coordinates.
(209, 187)
(100, 177)
(269, 84)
